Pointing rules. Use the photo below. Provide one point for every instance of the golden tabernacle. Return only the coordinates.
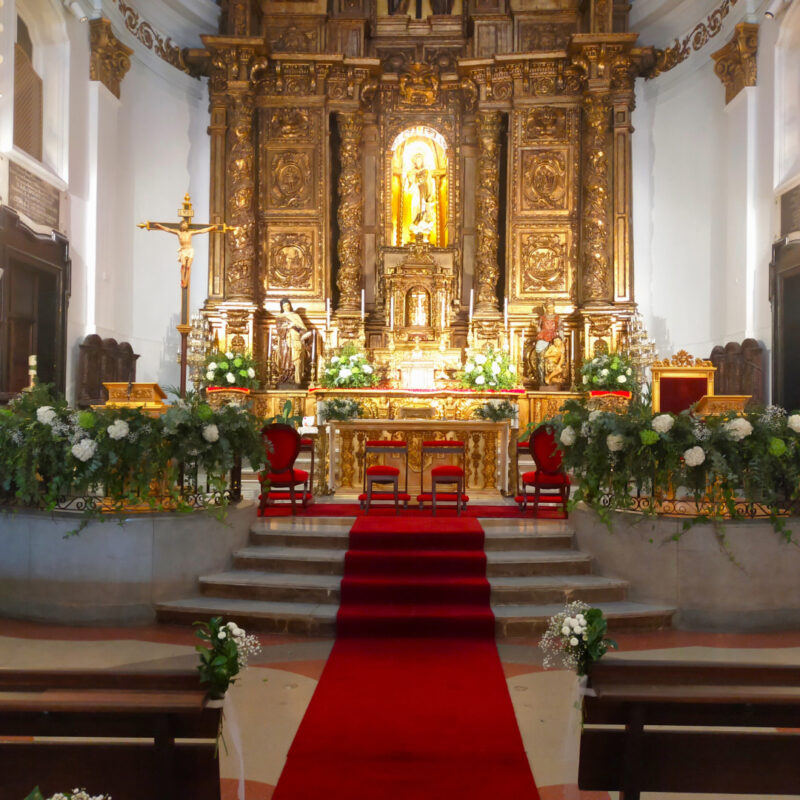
(147, 396)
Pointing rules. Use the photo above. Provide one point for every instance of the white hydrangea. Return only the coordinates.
(211, 433)
(480, 380)
(469, 366)
(480, 359)
(366, 368)
(335, 360)
(84, 449)
(604, 373)
(212, 365)
(593, 415)
(738, 428)
(344, 372)
(694, 456)
(495, 368)
(210, 375)
(251, 373)
(230, 377)
(794, 422)
(568, 436)
(621, 379)
(615, 442)
(118, 429)
(46, 415)
(229, 355)
(662, 423)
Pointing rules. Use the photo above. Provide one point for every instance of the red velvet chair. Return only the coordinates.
(284, 443)
(549, 481)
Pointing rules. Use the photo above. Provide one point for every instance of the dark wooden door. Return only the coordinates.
(34, 288)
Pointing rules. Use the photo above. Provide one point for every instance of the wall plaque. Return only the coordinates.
(30, 195)
(790, 211)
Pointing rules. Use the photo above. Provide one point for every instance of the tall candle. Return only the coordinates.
(362, 305)
(391, 314)
(471, 303)
(313, 352)
(328, 313)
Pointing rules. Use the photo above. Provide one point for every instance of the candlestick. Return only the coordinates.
(328, 313)
(471, 303)
(391, 314)
(362, 305)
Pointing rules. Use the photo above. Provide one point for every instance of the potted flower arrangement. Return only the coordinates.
(609, 378)
(223, 654)
(490, 370)
(349, 369)
(229, 376)
(75, 794)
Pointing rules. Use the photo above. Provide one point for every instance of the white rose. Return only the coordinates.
(230, 377)
(84, 449)
(480, 359)
(573, 641)
(604, 373)
(118, 429)
(622, 379)
(593, 415)
(469, 366)
(367, 369)
(628, 371)
(565, 630)
(251, 373)
(222, 635)
(694, 456)
(615, 442)
(662, 423)
(211, 433)
(209, 376)
(354, 357)
(495, 368)
(229, 355)
(568, 436)
(585, 379)
(480, 380)
(46, 415)
(335, 360)
(738, 428)
(212, 366)
(794, 422)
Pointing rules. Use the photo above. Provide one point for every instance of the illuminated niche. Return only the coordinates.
(419, 187)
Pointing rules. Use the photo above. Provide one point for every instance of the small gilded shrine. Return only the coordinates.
(424, 179)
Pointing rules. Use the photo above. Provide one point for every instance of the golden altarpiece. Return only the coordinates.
(424, 178)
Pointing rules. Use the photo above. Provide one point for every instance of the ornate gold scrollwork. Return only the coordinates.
(110, 59)
(291, 177)
(544, 179)
(290, 123)
(419, 85)
(544, 262)
(291, 261)
(735, 64)
(487, 271)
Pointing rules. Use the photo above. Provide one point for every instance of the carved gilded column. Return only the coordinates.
(350, 213)
(487, 271)
(240, 272)
(110, 60)
(596, 234)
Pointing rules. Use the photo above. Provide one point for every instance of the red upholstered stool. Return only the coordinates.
(447, 474)
(549, 481)
(384, 474)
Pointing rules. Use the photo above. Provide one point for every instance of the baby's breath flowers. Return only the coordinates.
(224, 655)
(575, 638)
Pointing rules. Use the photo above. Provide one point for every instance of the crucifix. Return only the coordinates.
(184, 230)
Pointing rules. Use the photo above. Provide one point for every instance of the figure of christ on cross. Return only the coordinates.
(185, 230)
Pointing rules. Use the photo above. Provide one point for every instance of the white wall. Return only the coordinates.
(705, 214)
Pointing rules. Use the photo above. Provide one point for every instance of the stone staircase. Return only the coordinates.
(287, 579)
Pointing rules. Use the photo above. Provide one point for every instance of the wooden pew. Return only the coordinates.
(117, 732)
(717, 728)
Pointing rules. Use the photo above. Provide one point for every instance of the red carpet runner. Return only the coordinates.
(412, 704)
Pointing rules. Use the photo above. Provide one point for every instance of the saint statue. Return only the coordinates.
(421, 189)
(549, 352)
(293, 344)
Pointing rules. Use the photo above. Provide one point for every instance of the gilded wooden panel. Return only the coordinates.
(542, 257)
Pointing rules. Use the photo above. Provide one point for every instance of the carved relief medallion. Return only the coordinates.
(545, 122)
(290, 123)
(291, 261)
(544, 180)
(291, 179)
(544, 262)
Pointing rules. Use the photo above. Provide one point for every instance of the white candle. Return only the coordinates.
(328, 313)
(269, 346)
(313, 350)
(362, 305)
(471, 303)
(391, 314)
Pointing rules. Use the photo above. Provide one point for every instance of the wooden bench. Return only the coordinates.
(716, 728)
(116, 734)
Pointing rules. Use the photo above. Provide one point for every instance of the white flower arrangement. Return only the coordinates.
(694, 456)
(738, 428)
(608, 372)
(118, 429)
(491, 369)
(227, 652)
(663, 423)
(231, 370)
(568, 436)
(349, 369)
(575, 638)
(211, 433)
(615, 442)
(85, 449)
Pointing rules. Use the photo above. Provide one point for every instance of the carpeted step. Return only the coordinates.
(415, 620)
(416, 562)
(415, 590)
(391, 540)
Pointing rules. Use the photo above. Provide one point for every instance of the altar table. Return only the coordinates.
(487, 447)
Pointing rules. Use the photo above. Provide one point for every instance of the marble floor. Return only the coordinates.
(272, 696)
